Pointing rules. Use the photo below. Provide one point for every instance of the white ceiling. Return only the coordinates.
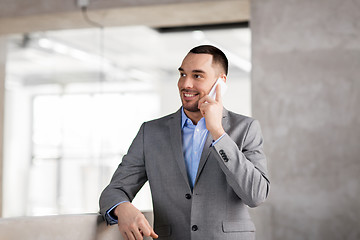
(134, 53)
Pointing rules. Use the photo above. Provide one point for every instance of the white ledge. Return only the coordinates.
(61, 227)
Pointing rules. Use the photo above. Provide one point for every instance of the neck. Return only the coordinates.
(194, 116)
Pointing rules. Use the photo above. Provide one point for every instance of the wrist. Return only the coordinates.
(117, 210)
(216, 134)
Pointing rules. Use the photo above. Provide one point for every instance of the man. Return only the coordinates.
(204, 164)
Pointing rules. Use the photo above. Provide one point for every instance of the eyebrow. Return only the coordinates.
(194, 71)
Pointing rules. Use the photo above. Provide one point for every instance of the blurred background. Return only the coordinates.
(74, 100)
(77, 79)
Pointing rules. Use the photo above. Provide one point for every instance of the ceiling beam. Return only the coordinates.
(161, 15)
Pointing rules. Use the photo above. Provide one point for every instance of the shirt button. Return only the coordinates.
(194, 228)
(188, 196)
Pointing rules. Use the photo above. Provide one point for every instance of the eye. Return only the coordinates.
(197, 76)
(182, 74)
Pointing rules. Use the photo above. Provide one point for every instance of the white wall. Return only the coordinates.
(16, 152)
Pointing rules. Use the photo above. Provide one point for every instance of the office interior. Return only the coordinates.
(77, 79)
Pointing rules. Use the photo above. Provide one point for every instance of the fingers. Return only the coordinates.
(124, 235)
(132, 223)
(134, 234)
(208, 99)
(153, 234)
(205, 99)
(204, 102)
(137, 234)
(127, 235)
(137, 230)
(147, 230)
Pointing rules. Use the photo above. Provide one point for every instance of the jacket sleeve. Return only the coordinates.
(129, 177)
(245, 166)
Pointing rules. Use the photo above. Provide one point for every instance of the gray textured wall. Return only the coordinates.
(306, 82)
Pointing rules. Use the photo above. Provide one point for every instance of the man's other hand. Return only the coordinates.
(132, 223)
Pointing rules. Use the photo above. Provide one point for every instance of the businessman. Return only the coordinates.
(204, 164)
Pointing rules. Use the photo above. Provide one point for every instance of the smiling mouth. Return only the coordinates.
(189, 95)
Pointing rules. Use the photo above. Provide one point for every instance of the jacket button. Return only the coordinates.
(188, 196)
(194, 228)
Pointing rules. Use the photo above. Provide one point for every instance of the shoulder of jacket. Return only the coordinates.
(238, 117)
(163, 119)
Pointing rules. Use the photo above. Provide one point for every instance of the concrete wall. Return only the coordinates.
(305, 92)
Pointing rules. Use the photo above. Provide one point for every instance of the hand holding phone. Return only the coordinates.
(223, 85)
(213, 111)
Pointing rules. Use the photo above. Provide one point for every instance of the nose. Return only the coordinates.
(186, 82)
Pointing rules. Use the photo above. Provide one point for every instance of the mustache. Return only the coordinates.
(188, 91)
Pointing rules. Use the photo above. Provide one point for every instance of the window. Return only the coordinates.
(77, 141)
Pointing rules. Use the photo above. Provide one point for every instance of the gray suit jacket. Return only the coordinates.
(231, 175)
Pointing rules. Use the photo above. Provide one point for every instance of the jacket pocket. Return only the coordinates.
(242, 226)
(163, 231)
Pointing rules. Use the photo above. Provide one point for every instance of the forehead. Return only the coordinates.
(194, 61)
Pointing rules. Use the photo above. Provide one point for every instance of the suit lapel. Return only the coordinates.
(207, 145)
(176, 143)
(204, 155)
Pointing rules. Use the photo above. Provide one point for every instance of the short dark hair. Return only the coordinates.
(218, 55)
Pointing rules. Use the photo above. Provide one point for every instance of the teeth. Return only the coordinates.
(189, 95)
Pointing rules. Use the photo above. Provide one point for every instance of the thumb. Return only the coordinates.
(218, 93)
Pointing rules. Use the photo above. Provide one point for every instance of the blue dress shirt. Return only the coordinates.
(193, 140)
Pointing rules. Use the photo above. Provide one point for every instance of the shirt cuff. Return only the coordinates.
(214, 142)
(111, 219)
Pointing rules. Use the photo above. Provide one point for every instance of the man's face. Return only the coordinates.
(197, 76)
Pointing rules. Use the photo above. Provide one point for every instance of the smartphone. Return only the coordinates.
(223, 85)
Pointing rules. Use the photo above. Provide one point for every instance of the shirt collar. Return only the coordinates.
(185, 118)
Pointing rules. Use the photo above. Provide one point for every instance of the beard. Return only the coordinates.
(191, 107)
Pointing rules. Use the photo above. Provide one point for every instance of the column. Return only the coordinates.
(306, 94)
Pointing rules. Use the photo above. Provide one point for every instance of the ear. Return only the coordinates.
(223, 77)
